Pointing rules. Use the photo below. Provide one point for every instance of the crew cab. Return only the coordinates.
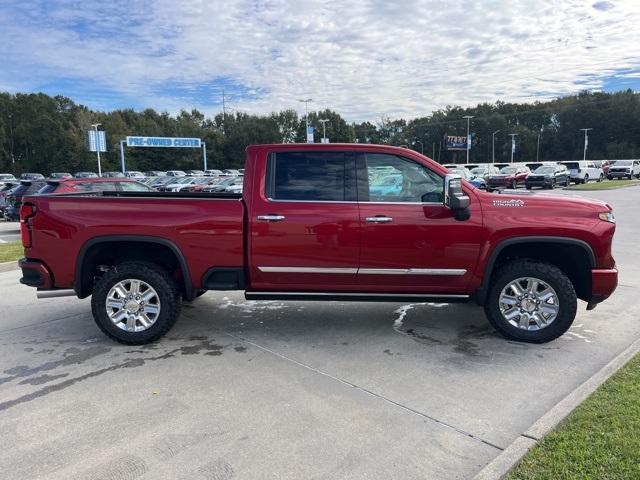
(313, 224)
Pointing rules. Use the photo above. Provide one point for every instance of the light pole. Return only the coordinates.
(95, 127)
(421, 146)
(306, 115)
(538, 145)
(493, 146)
(586, 141)
(513, 144)
(323, 121)
(468, 117)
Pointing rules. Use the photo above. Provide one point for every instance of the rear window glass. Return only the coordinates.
(307, 176)
(572, 165)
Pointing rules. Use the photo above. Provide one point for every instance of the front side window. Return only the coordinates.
(395, 179)
(307, 176)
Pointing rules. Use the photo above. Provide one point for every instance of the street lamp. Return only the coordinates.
(421, 146)
(493, 146)
(468, 117)
(306, 115)
(586, 141)
(323, 121)
(513, 144)
(95, 127)
(538, 145)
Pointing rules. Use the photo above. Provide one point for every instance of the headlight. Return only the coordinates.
(607, 217)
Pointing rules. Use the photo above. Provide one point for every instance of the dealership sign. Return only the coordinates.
(164, 142)
(456, 142)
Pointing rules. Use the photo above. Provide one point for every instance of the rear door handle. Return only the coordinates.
(271, 218)
(379, 219)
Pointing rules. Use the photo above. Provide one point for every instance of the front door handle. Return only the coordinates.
(271, 218)
(379, 219)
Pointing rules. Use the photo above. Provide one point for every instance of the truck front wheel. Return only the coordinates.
(531, 301)
(135, 303)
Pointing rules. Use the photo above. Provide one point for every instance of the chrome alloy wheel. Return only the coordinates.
(133, 305)
(529, 303)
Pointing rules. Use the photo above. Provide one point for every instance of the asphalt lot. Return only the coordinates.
(290, 390)
(9, 231)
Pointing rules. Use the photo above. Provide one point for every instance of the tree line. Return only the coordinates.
(40, 133)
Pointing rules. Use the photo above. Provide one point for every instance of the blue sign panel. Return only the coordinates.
(164, 142)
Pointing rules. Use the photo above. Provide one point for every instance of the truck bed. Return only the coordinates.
(207, 229)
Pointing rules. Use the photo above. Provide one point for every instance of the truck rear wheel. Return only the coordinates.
(135, 303)
(531, 301)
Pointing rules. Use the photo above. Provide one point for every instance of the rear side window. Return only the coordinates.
(307, 176)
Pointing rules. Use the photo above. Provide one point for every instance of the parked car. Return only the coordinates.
(297, 233)
(113, 175)
(200, 184)
(60, 175)
(195, 173)
(133, 174)
(4, 177)
(155, 173)
(624, 169)
(178, 184)
(510, 177)
(484, 171)
(500, 166)
(533, 166)
(213, 173)
(605, 165)
(13, 200)
(176, 173)
(581, 171)
(548, 176)
(223, 184)
(465, 173)
(5, 190)
(32, 176)
(79, 185)
(86, 175)
(231, 171)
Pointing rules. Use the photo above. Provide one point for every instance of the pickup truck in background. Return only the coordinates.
(318, 222)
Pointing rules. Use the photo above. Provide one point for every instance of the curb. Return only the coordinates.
(511, 456)
(9, 266)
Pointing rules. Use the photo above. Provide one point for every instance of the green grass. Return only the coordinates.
(604, 185)
(598, 440)
(11, 251)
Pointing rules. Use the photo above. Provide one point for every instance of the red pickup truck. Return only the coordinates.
(324, 222)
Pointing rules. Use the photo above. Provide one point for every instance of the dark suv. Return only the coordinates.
(14, 198)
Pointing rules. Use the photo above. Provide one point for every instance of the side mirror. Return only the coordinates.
(455, 198)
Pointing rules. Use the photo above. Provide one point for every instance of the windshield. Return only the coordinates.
(479, 170)
(463, 173)
(508, 170)
(623, 163)
(545, 170)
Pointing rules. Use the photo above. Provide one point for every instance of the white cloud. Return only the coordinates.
(363, 59)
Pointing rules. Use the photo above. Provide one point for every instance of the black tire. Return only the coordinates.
(528, 187)
(629, 177)
(600, 178)
(168, 294)
(586, 178)
(567, 182)
(514, 184)
(549, 274)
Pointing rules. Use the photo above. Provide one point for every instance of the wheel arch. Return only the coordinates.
(163, 251)
(573, 256)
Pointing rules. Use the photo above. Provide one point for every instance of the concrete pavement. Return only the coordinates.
(290, 390)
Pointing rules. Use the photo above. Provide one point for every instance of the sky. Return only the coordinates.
(364, 59)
